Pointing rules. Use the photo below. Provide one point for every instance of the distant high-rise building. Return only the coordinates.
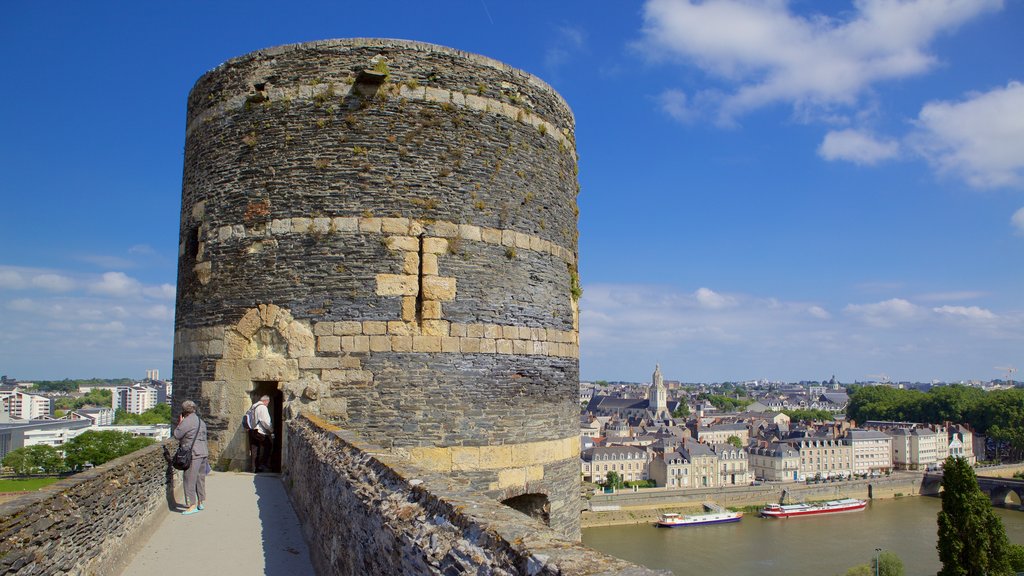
(22, 406)
(135, 399)
(152, 374)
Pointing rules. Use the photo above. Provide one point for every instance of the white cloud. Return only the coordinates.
(956, 295)
(710, 299)
(1018, 221)
(21, 304)
(773, 55)
(158, 312)
(626, 329)
(980, 139)
(969, 312)
(819, 312)
(53, 282)
(857, 147)
(885, 313)
(114, 326)
(117, 284)
(675, 104)
(163, 291)
(567, 41)
(142, 249)
(11, 279)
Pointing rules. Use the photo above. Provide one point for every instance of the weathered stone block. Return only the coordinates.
(436, 327)
(394, 225)
(345, 224)
(348, 328)
(435, 245)
(401, 343)
(397, 285)
(438, 288)
(429, 264)
(328, 343)
(402, 243)
(426, 343)
(380, 344)
(371, 225)
(373, 327)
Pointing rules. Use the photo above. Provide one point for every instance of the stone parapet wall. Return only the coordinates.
(88, 523)
(367, 512)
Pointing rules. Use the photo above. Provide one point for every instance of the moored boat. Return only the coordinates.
(830, 507)
(671, 519)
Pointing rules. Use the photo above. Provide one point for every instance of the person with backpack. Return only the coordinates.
(191, 431)
(261, 434)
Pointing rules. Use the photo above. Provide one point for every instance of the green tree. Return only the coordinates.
(735, 441)
(35, 459)
(682, 410)
(808, 415)
(613, 480)
(860, 570)
(889, 564)
(159, 414)
(19, 461)
(972, 540)
(98, 446)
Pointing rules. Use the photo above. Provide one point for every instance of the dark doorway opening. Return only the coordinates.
(533, 505)
(260, 389)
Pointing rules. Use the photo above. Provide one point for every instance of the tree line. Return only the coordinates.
(93, 447)
(998, 414)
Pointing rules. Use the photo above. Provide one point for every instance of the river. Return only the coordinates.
(818, 546)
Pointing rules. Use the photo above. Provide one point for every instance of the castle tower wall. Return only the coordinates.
(385, 231)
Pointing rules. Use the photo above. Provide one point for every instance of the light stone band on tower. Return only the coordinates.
(385, 232)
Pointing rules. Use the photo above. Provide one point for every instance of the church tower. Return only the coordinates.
(657, 398)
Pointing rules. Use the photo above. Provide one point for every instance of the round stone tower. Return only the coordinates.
(383, 233)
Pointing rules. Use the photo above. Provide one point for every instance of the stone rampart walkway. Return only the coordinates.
(247, 527)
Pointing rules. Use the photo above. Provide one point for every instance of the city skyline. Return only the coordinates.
(769, 190)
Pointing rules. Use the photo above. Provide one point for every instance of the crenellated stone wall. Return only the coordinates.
(384, 233)
(365, 511)
(88, 523)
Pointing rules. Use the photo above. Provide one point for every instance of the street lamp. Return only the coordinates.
(877, 550)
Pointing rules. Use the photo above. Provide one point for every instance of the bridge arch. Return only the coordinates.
(1006, 496)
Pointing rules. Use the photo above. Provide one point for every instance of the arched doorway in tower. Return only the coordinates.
(272, 389)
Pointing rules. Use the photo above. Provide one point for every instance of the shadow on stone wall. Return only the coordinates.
(367, 512)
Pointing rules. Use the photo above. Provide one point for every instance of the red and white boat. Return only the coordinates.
(830, 507)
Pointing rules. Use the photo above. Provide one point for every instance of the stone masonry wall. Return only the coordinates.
(89, 522)
(386, 231)
(367, 512)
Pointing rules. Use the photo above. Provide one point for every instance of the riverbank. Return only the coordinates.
(645, 505)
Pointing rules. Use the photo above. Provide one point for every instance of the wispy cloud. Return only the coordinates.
(858, 147)
(93, 320)
(1017, 220)
(766, 54)
(566, 43)
(884, 313)
(979, 139)
(758, 336)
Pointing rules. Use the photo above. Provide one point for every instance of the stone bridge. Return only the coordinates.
(1005, 492)
(359, 510)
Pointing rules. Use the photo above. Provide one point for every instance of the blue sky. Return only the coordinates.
(768, 190)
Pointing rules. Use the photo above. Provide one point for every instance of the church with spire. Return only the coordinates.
(655, 408)
(657, 396)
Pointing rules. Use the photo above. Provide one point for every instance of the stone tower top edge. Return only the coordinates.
(350, 43)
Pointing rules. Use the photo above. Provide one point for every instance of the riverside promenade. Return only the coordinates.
(248, 526)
